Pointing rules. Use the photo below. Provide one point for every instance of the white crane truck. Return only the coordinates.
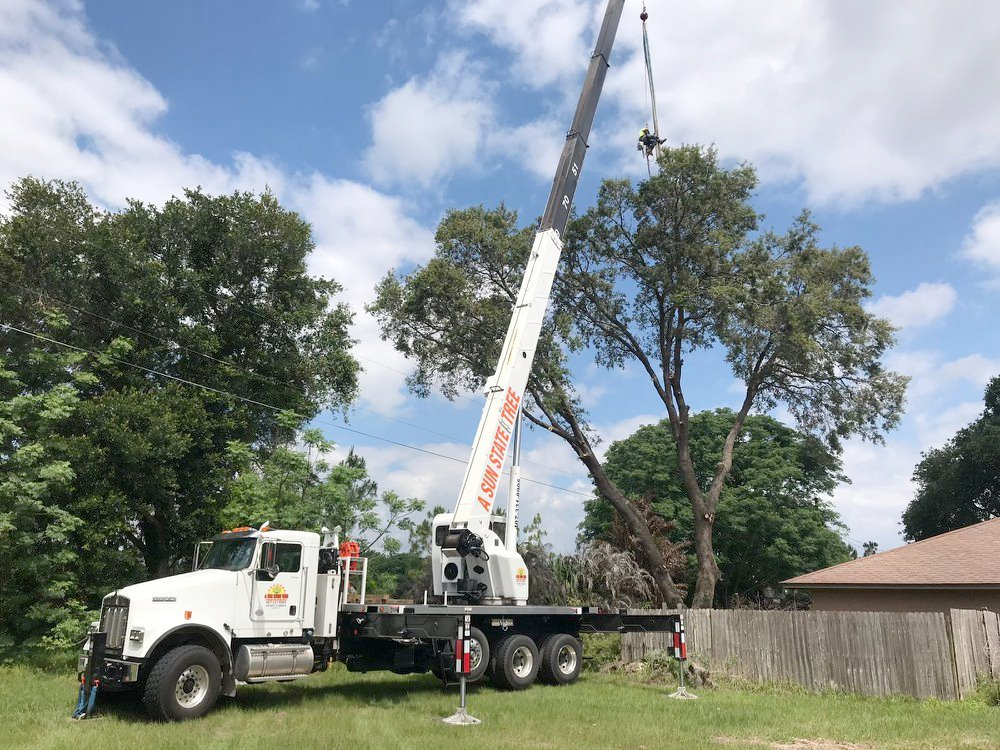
(267, 604)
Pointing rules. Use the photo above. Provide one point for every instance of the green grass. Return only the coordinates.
(341, 710)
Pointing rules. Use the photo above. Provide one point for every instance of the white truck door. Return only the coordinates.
(278, 600)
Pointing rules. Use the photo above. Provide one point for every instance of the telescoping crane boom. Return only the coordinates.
(469, 559)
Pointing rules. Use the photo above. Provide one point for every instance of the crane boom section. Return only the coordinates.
(505, 389)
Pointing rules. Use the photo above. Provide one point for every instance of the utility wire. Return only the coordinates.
(232, 365)
(276, 409)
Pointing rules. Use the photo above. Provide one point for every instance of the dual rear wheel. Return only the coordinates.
(518, 660)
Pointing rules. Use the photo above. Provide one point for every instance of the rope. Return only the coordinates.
(651, 99)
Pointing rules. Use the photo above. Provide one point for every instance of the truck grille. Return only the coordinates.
(114, 619)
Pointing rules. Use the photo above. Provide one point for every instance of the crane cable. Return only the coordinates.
(649, 79)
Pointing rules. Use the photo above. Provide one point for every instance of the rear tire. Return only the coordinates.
(562, 659)
(183, 684)
(479, 655)
(515, 665)
(479, 659)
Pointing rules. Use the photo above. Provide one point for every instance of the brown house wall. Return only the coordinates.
(904, 600)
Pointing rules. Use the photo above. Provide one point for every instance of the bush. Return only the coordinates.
(600, 650)
(660, 666)
(988, 691)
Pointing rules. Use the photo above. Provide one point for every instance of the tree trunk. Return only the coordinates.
(708, 569)
(154, 551)
(574, 433)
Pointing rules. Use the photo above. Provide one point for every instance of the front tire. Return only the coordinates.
(515, 666)
(183, 684)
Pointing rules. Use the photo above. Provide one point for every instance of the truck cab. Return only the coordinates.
(251, 598)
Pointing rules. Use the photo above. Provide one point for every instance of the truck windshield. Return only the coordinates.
(230, 554)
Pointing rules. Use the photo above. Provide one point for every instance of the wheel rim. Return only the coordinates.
(522, 661)
(566, 659)
(192, 686)
(475, 654)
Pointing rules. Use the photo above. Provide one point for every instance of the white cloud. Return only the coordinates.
(445, 122)
(931, 375)
(982, 244)
(881, 486)
(858, 100)
(312, 59)
(937, 427)
(549, 38)
(360, 234)
(536, 145)
(919, 307)
(431, 126)
(74, 112)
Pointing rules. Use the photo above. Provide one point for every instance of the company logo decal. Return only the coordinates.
(498, 450)
(521, 576)
(275, 596)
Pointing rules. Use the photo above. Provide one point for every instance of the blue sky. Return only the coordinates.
(372, 119)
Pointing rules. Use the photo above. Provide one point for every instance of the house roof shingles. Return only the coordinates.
(965, 557)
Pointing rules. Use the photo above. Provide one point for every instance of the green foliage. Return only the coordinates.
(661, 666)
(600, 650)
(400, 575)
(773, 520)
(42, 604)
(959, 483)
(988, 691)
(300, 489)
(130, 468)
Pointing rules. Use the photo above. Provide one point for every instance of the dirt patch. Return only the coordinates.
(799, 744)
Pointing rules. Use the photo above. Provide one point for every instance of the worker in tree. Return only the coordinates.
(648, 141)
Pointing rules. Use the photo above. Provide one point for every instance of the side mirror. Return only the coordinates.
(267, 574)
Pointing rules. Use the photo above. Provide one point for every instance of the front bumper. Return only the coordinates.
(112, 672)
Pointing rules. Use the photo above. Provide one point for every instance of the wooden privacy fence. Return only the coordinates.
(921, 654)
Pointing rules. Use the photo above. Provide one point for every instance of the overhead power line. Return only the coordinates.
(237, 368)
(271, 407)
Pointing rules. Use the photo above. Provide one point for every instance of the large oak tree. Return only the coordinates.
(657, 271)
(652, 273)
(204, 290)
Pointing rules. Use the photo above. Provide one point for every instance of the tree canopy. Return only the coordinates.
(656, 271)
(449, 317)
(959, 483)
(774, 520)
(650, 274)
(166, 334)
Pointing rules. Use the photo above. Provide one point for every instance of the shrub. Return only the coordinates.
(600, 650)
(988, 691)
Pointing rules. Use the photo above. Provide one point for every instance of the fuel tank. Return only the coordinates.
(270, 660)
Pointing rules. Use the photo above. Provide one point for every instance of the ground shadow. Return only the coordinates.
(127, 706)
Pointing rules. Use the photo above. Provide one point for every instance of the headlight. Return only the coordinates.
(135, 634)
(93, 627)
